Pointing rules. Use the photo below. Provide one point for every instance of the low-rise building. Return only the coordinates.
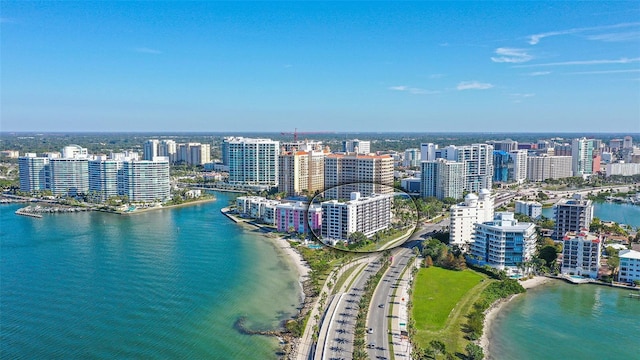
(299, 217)
(629, 266)
(257, 207)
(581, 254)
(532, 209)
(464, 217)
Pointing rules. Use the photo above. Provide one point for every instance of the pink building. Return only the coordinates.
(298, 216)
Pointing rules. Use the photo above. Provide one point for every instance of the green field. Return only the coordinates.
(441, 299)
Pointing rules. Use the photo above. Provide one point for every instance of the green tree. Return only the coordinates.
(549, 254)
(474, 352)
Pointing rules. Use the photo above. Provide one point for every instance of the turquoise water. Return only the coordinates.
(620, 213)
(165, 284)
(565, 321)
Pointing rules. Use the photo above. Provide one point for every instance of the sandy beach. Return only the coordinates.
(493, 311)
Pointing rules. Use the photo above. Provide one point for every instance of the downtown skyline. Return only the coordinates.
(211, 67)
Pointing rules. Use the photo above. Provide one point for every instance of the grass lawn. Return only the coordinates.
(441, 299)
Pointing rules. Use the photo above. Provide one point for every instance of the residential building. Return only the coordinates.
(540, 168)
(532, 209)
(411, 158)
(103, 178)
(478, 166)
(257, 207)
(356, 146)
(299, 217)
(168, 148)
(507, 145)
(572, 215)
(627, 142)
(465, 215)
(442, 179)
(74, 151)
(193, 153)
(301, 172)
(502, 166)
(34, 173)
(616, 144)
(582, 157)
(150, 149)
(518, 172)
(367, 215)
(629, 266)
(411, 185)
(10, 154)
(428, 151)
(623, 169)
(503, 243)
(581, 254)
(69, 176)
(252, 161)
(146, 180)
(351, 172)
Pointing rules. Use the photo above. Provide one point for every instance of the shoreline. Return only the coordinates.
(140, 211)
(497, 306)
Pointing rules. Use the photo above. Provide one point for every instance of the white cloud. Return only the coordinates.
(539, 73)
(413, 90)
(604, 72)
(510, 55)
(584, 62)
(146, 50)
(535, 39)
(616, 37)
(473, 85)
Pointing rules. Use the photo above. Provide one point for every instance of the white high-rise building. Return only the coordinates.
(478, 166)
(150, 149)
(428, 151)
(103, 178)
(367, 215)
(74, 151)
(519, 165)
(253, 161)
(442, 179)
(581, 254)
(34, 173)
(146, 180)
(357, 146)
(627, 142)
(582, 157)
(541, 168)
(366, 174)
(504, 243)
(168, 148)
(464, 217)
(69, 176)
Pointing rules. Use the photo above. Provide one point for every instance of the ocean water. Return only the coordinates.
(620, 213)
(166, 284)
(565, 321)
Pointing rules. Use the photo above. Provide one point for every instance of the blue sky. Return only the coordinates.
(336, 66)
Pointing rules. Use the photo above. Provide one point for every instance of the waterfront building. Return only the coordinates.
(351, 172)
(532, 209)
(146, 180)
(572, 215)
(623, 169)
(356, 146)
(367, 215)
(465, 215)
(252, 161)
(428, 151)
(299, 217)
(411, 158)
(257, 207)
(193, 153)
(581, 254)
(301, 172)
(582, 157)
(442, 179)
(34, 173)
(103, 178)
(69, 176)
(629, 266)
(150, 149)
(503, 243)
(478, 166)
(540, 168)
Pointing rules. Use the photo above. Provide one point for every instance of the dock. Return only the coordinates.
(18, 212)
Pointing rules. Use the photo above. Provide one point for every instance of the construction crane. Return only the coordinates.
(295, 133)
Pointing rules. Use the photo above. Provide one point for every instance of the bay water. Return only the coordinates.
(165, 284)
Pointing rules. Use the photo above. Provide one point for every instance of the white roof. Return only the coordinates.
(630, 254)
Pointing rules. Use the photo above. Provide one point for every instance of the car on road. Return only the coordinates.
(370, 331)
(381, 306)
(371, 345)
